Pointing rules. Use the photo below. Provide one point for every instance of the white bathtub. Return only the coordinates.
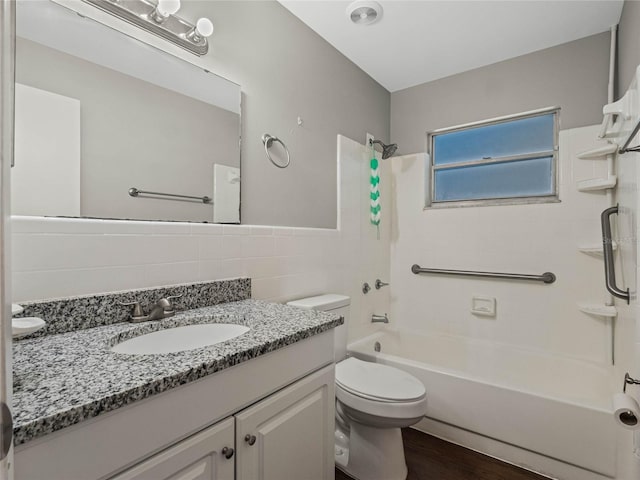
(551, 405)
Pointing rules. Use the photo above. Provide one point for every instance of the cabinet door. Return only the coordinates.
(289, 435)
(198, 457)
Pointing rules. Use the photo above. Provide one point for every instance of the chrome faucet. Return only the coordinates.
(379, 318)
(162, 309)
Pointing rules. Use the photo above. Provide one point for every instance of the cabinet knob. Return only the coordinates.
(250, 439)
(227, 452)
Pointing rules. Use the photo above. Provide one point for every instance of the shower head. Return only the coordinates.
(387, 150)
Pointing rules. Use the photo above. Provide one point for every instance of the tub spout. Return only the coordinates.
(379, 318)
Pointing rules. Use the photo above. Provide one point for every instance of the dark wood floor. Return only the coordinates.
(429, 458)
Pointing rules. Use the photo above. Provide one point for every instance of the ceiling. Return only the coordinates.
(420, 41)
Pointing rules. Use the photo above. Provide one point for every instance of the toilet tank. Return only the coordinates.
(331, 303)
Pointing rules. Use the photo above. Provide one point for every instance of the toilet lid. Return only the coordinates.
(378, 381)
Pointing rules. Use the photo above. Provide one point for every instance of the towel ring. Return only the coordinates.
(268, 141)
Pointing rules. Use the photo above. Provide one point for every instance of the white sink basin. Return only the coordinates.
(178, 339)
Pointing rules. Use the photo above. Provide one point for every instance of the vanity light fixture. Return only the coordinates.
(160, 19)
(164, 10)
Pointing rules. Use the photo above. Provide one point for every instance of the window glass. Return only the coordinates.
(500, 159)
(526, 178)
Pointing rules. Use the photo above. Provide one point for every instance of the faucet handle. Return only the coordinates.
(138, 312)
(379, 284)
(167, 304)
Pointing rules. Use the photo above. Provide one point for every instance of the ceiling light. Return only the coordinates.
(364, 12)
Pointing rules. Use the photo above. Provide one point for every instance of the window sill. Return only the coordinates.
(500, 202)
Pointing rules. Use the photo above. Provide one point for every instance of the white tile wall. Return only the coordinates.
(520, 239)
(55, 257)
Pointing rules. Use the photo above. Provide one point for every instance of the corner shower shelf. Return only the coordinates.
(594, 184)
(596, 250)
(608, 311)
(599, 152)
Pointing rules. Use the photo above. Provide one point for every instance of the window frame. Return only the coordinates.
(530, 199)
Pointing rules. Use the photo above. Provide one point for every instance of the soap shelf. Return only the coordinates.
(594, 184)
(600, 310)
(25, 325)
(596, 250)
(599, 152)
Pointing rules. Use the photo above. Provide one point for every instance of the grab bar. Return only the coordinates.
(626, 148)
(609, 265)
(134, 192)
(546, 277)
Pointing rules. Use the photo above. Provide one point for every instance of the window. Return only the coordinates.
(501, 161)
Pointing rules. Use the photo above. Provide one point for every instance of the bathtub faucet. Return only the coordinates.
(379, 318)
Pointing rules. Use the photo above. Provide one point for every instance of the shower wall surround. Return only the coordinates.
(518, 238)
(56, 257)
(628, 319)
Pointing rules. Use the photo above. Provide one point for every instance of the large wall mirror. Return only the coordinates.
(102, 117)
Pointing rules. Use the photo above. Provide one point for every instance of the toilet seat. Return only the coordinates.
(369, 389)
(358, 408)
(377, 382)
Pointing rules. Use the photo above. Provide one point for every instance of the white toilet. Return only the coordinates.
(373, 402)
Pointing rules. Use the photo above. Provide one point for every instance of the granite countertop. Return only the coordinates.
(63, 379)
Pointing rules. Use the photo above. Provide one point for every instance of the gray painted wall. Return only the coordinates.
(628, 45)
(573, 75)
(135, 134)
(286, 70)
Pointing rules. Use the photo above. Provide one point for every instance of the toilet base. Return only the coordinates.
(369, 453)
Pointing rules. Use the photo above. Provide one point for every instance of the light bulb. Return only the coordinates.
(167, 7)
(202, 30)
(204, 27)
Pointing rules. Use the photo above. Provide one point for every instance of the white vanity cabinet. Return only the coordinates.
(285, 399)
(288, 435)
(200, 457)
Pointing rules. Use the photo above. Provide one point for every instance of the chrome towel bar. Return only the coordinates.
(134, 192)
(546, 277)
